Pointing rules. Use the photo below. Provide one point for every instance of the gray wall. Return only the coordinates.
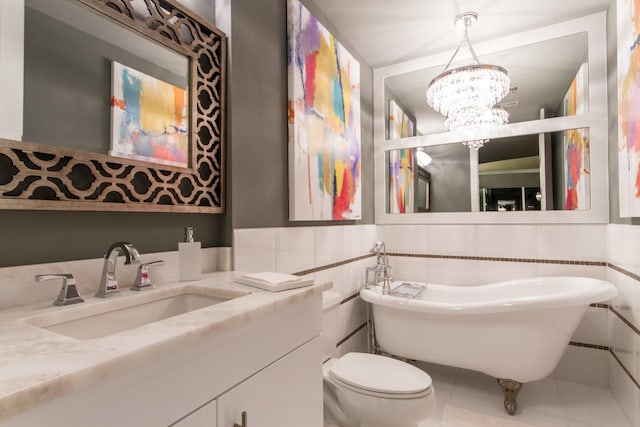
(258, 100)
(31, 237)
(257, 194)
(450, 191)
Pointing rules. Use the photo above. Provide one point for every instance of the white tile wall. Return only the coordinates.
(623, 249)
(404, 238)
(452, 271)
(452, 239)
(625, 392)
(353, 314)
(584, 365)
(578, 242)
(327, 245)
(258, 249)
(294, 249)
(494, 271)
(593, 328)
(512, 241)
(595, 271)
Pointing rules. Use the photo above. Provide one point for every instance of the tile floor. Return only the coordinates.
(471, 399)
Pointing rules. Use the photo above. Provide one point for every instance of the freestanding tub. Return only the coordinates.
(515, 331)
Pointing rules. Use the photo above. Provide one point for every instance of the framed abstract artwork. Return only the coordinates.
(629, 107)
(401, 181)
(148, 118)
(400, 125)
(323, 122)
(576, 145)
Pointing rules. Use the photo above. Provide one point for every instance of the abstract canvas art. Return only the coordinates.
(148, 118)
(401, 186)
(323, 122)
(629, 107)
(577, 151)
(400, 125)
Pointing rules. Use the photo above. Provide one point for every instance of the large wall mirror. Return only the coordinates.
(120, 106)
(548, 164)
(546, 172)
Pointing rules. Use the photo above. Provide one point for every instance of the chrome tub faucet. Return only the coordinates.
(108, 282)
(381, 271)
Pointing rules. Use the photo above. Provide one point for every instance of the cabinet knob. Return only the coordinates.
(244, 420)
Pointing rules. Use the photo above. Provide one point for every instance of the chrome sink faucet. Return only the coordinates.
(108, 282)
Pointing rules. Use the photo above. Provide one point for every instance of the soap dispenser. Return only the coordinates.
(189, 258)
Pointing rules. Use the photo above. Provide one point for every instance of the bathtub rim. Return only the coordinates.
(594, 291)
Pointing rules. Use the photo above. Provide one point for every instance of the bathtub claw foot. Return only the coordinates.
(510, 389)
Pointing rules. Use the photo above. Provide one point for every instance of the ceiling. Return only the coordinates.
(383, 33)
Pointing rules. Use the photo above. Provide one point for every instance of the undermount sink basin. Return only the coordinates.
(127, 312)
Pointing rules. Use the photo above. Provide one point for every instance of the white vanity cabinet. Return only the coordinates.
(266, 362)
(286, 393)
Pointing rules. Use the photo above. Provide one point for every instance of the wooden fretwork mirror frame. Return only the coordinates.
(38, 176)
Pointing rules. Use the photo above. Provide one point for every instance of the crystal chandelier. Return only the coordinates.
(467, 95)
(477, 118)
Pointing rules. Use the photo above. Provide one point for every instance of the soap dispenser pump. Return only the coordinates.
(189, 258)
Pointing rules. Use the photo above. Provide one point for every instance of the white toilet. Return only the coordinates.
(368, 390)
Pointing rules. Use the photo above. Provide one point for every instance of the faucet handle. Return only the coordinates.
(69, 293)
(143, 281)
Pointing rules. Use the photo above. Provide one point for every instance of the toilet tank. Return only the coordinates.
(330, 323)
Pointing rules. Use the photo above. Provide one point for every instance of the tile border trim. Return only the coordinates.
(624, 368)
(499, 259)
(587, 345)
(345, 339)
(624, 320)
(333, 265)
(474, 258)
(621, 270)
(612, 352)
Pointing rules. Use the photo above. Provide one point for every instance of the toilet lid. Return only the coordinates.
(380, 374)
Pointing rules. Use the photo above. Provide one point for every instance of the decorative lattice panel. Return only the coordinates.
(36, 176)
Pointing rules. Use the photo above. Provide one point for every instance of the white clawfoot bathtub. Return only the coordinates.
(516, 330)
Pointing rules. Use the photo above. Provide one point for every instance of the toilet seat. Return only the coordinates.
(380, 376)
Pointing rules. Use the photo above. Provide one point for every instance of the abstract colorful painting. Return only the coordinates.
(148, 118)
(323, 122)
(576, 146)
(629, 107)
(400, 125)
(401, 188)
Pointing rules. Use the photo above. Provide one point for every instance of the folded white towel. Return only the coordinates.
(274, 282)
(273, 278)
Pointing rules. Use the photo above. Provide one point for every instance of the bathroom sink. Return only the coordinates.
(91, 321)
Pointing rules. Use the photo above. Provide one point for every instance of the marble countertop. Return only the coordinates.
(38, 365)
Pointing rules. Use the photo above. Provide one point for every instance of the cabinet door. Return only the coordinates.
(287, 393)
(202, 417)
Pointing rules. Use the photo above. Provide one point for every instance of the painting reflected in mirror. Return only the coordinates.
(93, 85)
(540, 172)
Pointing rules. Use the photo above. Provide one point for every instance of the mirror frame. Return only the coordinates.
(51, 178)
(596, 119)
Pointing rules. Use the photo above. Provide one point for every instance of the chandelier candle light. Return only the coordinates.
(467, 95)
